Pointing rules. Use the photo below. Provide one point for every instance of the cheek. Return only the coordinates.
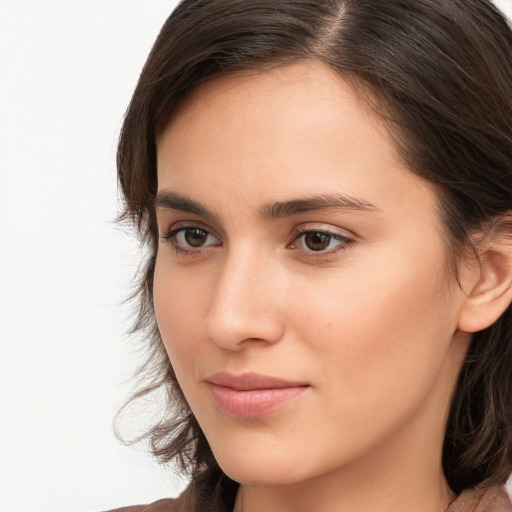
(380, 333)
(179, 313)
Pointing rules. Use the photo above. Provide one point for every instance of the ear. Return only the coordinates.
(487, 282)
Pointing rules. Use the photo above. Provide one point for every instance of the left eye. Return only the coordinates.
(193, 237)
(188, 239)
(319, 241)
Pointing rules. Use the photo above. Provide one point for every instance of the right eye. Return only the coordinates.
(190, 239)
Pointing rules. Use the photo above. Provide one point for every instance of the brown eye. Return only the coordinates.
(320, 241)
(195, 237)
(317, 241)
(191, 239)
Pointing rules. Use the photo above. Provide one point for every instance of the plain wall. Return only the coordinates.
(67, 70)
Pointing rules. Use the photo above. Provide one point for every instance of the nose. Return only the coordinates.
(244, 307)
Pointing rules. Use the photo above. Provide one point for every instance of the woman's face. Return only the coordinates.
(301, 287)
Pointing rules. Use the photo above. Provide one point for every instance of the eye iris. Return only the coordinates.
(317, 241)
(195, 237)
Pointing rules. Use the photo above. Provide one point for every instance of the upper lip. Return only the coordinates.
(248, 381)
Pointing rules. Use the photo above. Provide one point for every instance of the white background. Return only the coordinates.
(67, 69)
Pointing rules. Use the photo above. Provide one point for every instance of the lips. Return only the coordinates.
(251, 395)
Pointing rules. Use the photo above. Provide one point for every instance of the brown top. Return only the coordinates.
(494, 499)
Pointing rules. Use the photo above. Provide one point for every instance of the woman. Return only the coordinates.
(325, 190)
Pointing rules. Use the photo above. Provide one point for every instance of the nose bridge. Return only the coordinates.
(243, 304)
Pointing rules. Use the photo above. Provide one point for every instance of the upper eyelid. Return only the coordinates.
(332, 234)
(175, 230)
(336, 236)
(295, 232)
(320, 227)
(166, 227)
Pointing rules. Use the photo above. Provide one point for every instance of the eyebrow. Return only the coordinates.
(316, 203)
(176, 202)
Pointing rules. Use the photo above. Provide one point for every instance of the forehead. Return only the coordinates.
(305, 79)
(268, 136)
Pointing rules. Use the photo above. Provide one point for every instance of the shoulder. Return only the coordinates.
(492, 499)
(165, 505)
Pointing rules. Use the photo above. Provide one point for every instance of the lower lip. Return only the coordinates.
(252, 403)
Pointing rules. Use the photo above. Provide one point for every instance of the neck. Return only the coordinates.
(343, 496)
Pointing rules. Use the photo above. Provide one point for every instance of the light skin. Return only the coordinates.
(295, 244)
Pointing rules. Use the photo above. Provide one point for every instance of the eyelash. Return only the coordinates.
(171, 235)
(345, 242)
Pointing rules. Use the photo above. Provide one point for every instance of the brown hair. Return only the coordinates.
(440, 73)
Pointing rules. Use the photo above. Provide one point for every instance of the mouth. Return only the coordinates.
(251, 395)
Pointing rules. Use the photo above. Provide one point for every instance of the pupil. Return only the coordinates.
(195, 237)
(317, 241)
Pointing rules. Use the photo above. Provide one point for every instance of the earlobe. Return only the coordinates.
(490, 286)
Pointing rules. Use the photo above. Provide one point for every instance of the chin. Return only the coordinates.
(248, 473)
(257, 466)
